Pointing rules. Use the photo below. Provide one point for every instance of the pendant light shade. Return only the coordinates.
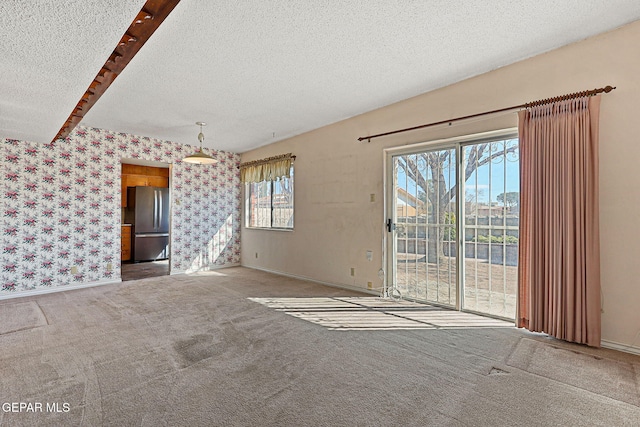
(199, 157)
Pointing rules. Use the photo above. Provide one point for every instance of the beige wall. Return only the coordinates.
(335, 222)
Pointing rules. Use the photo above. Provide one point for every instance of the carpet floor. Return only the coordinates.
(240, 347)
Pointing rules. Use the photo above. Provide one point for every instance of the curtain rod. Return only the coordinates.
(268, 160)
(605, 89)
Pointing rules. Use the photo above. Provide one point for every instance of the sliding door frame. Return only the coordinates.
(389, 242)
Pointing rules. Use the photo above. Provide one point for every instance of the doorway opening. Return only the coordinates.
(145, 228)
(453, 212)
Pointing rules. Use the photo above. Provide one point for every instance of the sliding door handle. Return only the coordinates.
(391, 226)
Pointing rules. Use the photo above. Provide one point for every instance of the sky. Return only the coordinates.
(488, 180)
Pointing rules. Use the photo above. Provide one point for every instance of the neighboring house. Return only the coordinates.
(408, 204)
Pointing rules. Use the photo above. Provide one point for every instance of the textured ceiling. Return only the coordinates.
(50, 51)
(258, 68)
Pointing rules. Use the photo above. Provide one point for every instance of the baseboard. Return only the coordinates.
(62, 288)
(320, 282)
(627, 348)
(212, 267)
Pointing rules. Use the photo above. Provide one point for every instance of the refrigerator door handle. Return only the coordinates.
(159, 209)
(155, 210)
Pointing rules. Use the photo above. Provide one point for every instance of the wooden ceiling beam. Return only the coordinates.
(146, 22)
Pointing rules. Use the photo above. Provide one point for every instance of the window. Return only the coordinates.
(269, 204)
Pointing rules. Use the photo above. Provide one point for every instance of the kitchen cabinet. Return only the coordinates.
(125, 243)
(142, 176)
(135, 180)
(157, 181)
(128, 169)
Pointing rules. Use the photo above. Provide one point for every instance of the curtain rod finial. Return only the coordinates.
(608, 89)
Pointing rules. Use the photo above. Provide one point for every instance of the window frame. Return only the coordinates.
(271, 185)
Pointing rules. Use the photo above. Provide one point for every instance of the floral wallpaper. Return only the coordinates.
(60, 208)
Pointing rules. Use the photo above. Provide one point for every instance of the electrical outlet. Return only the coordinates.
(369, 285)
(74, 270)
(369, 255)
(109, 267)
(256, 255)
(372, 197)
(353, 271)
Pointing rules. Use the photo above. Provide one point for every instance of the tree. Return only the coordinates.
(510, 199)
(430, 171)
(471, 197)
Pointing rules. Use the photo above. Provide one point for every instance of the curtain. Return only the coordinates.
(269, 169)
(559, 258)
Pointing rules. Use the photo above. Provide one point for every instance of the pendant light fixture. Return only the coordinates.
(200, 157)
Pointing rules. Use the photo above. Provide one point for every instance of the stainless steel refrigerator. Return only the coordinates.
(148, 212)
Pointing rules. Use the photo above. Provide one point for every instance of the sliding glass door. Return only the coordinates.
(469, 264)
(424, 216)
(491, 220)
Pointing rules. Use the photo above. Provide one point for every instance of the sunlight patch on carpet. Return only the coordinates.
(372, 313)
